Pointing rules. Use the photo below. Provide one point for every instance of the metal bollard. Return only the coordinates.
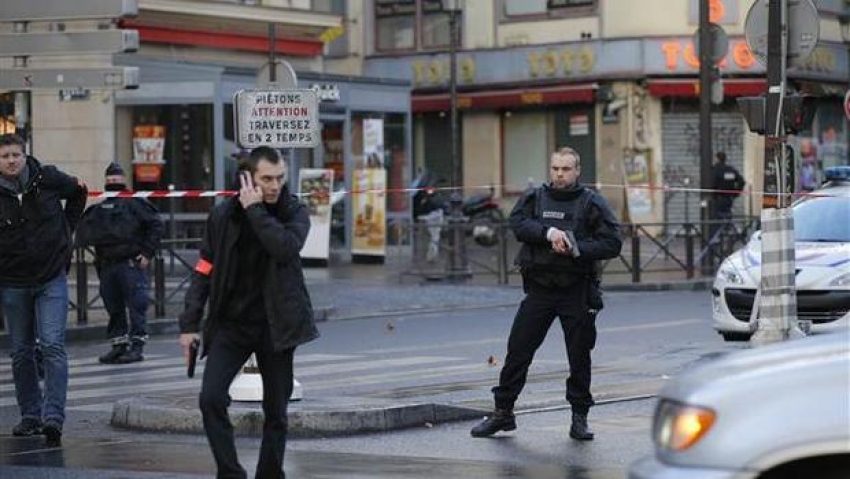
(82, 286)
(159, 286)
(635, 255)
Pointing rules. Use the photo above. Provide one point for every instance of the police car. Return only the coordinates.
(822, 232)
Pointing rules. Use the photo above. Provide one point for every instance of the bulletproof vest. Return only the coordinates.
(111, 222)
(565, 215)
(730, 179)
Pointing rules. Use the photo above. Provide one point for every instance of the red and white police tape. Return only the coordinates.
(227, 193)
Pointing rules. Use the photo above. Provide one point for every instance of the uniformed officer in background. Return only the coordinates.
(565, 230)
(125, 233)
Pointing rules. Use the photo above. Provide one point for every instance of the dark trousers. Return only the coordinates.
(229, 350)
(531, 324)
(123, 287)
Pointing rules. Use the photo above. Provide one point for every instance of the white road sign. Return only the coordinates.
(279, 118)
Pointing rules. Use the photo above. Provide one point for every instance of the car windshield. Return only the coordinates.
(825, 219)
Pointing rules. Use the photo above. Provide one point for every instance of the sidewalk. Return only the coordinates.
(349, 291)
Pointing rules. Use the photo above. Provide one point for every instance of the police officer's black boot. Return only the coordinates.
(132, 355)
(500, 420)
(111, 356)
(579, 429)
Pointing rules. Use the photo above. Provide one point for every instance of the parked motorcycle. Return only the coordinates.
(432, 206)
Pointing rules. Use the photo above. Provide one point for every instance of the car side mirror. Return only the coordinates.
(756, 236)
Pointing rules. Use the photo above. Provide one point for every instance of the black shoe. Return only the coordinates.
(132, 355)
(27, 427)
(52, 433)
(579, 429)
(500, 420)
(111, 356)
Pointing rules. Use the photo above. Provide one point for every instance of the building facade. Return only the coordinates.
(615, 79)
(194, 55)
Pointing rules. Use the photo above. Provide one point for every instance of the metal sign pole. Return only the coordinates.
(705, 146)
(777, 310)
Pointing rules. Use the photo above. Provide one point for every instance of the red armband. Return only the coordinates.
(203, 267)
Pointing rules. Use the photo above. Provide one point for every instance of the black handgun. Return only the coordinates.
(193, 358)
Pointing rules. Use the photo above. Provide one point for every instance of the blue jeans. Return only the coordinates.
(124, 286)
(39, 311)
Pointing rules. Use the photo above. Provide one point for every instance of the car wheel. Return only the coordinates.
(736, 337)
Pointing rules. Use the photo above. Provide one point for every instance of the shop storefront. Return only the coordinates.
(630, 106)
(190, 105)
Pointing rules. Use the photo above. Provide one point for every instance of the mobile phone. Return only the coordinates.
(193, 358)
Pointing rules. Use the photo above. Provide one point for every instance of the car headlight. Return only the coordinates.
(679, 426)
(730, 274)
(843, 280)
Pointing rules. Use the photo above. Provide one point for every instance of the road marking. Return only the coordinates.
(660, 324)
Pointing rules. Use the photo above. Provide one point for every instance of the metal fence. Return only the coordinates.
(450, 250)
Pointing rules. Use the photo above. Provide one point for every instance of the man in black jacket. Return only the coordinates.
(125, 233)
(35, 254)
(565, 229)
(250, 270)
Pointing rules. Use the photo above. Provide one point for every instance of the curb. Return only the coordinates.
(156, 415)
(689, 285)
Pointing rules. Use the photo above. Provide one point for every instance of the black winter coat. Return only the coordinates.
(286, 300)
(35, 230)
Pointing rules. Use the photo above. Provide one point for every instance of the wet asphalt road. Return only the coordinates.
(645, 337)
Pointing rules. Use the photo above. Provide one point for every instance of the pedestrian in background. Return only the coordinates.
(35, 255)
(250, 272)
(565, 230)
(125, 234)
(727, 184)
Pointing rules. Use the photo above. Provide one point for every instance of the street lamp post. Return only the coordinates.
(457, 258)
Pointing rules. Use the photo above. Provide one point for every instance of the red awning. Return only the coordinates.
(690, 88)
(581, 93)
(225, 40)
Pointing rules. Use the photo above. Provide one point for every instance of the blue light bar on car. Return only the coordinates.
(837, 173)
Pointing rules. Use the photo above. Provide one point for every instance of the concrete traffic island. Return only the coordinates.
(312, 417)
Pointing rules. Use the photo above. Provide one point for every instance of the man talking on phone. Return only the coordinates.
(250, 272)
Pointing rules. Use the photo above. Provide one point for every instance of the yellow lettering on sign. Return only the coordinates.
(586, 58)
(821, 60)
(533, 64)
(567, 56)
(529, 98)
(418, 72)
(434, 72)
(467, 70)
(550, 63)
(464, 102)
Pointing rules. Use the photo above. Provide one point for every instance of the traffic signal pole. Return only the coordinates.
(705, 144)
(777, 299)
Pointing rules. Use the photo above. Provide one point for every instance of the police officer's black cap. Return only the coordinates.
(114, 169)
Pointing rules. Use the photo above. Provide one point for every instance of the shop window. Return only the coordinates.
(522, 9)
(526, 150)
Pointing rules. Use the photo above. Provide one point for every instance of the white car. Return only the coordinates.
(778, 412)
(822, 256)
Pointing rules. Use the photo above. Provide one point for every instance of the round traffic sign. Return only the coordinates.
(803, 30)
(719, 42)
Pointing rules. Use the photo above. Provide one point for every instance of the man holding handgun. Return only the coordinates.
(250, 271)
(565, 229)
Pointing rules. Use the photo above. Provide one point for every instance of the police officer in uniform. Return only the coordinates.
(125, 233)
(727, 185)
(565, 229)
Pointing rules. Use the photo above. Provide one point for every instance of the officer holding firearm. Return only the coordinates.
(565, 229)
(125, 233)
